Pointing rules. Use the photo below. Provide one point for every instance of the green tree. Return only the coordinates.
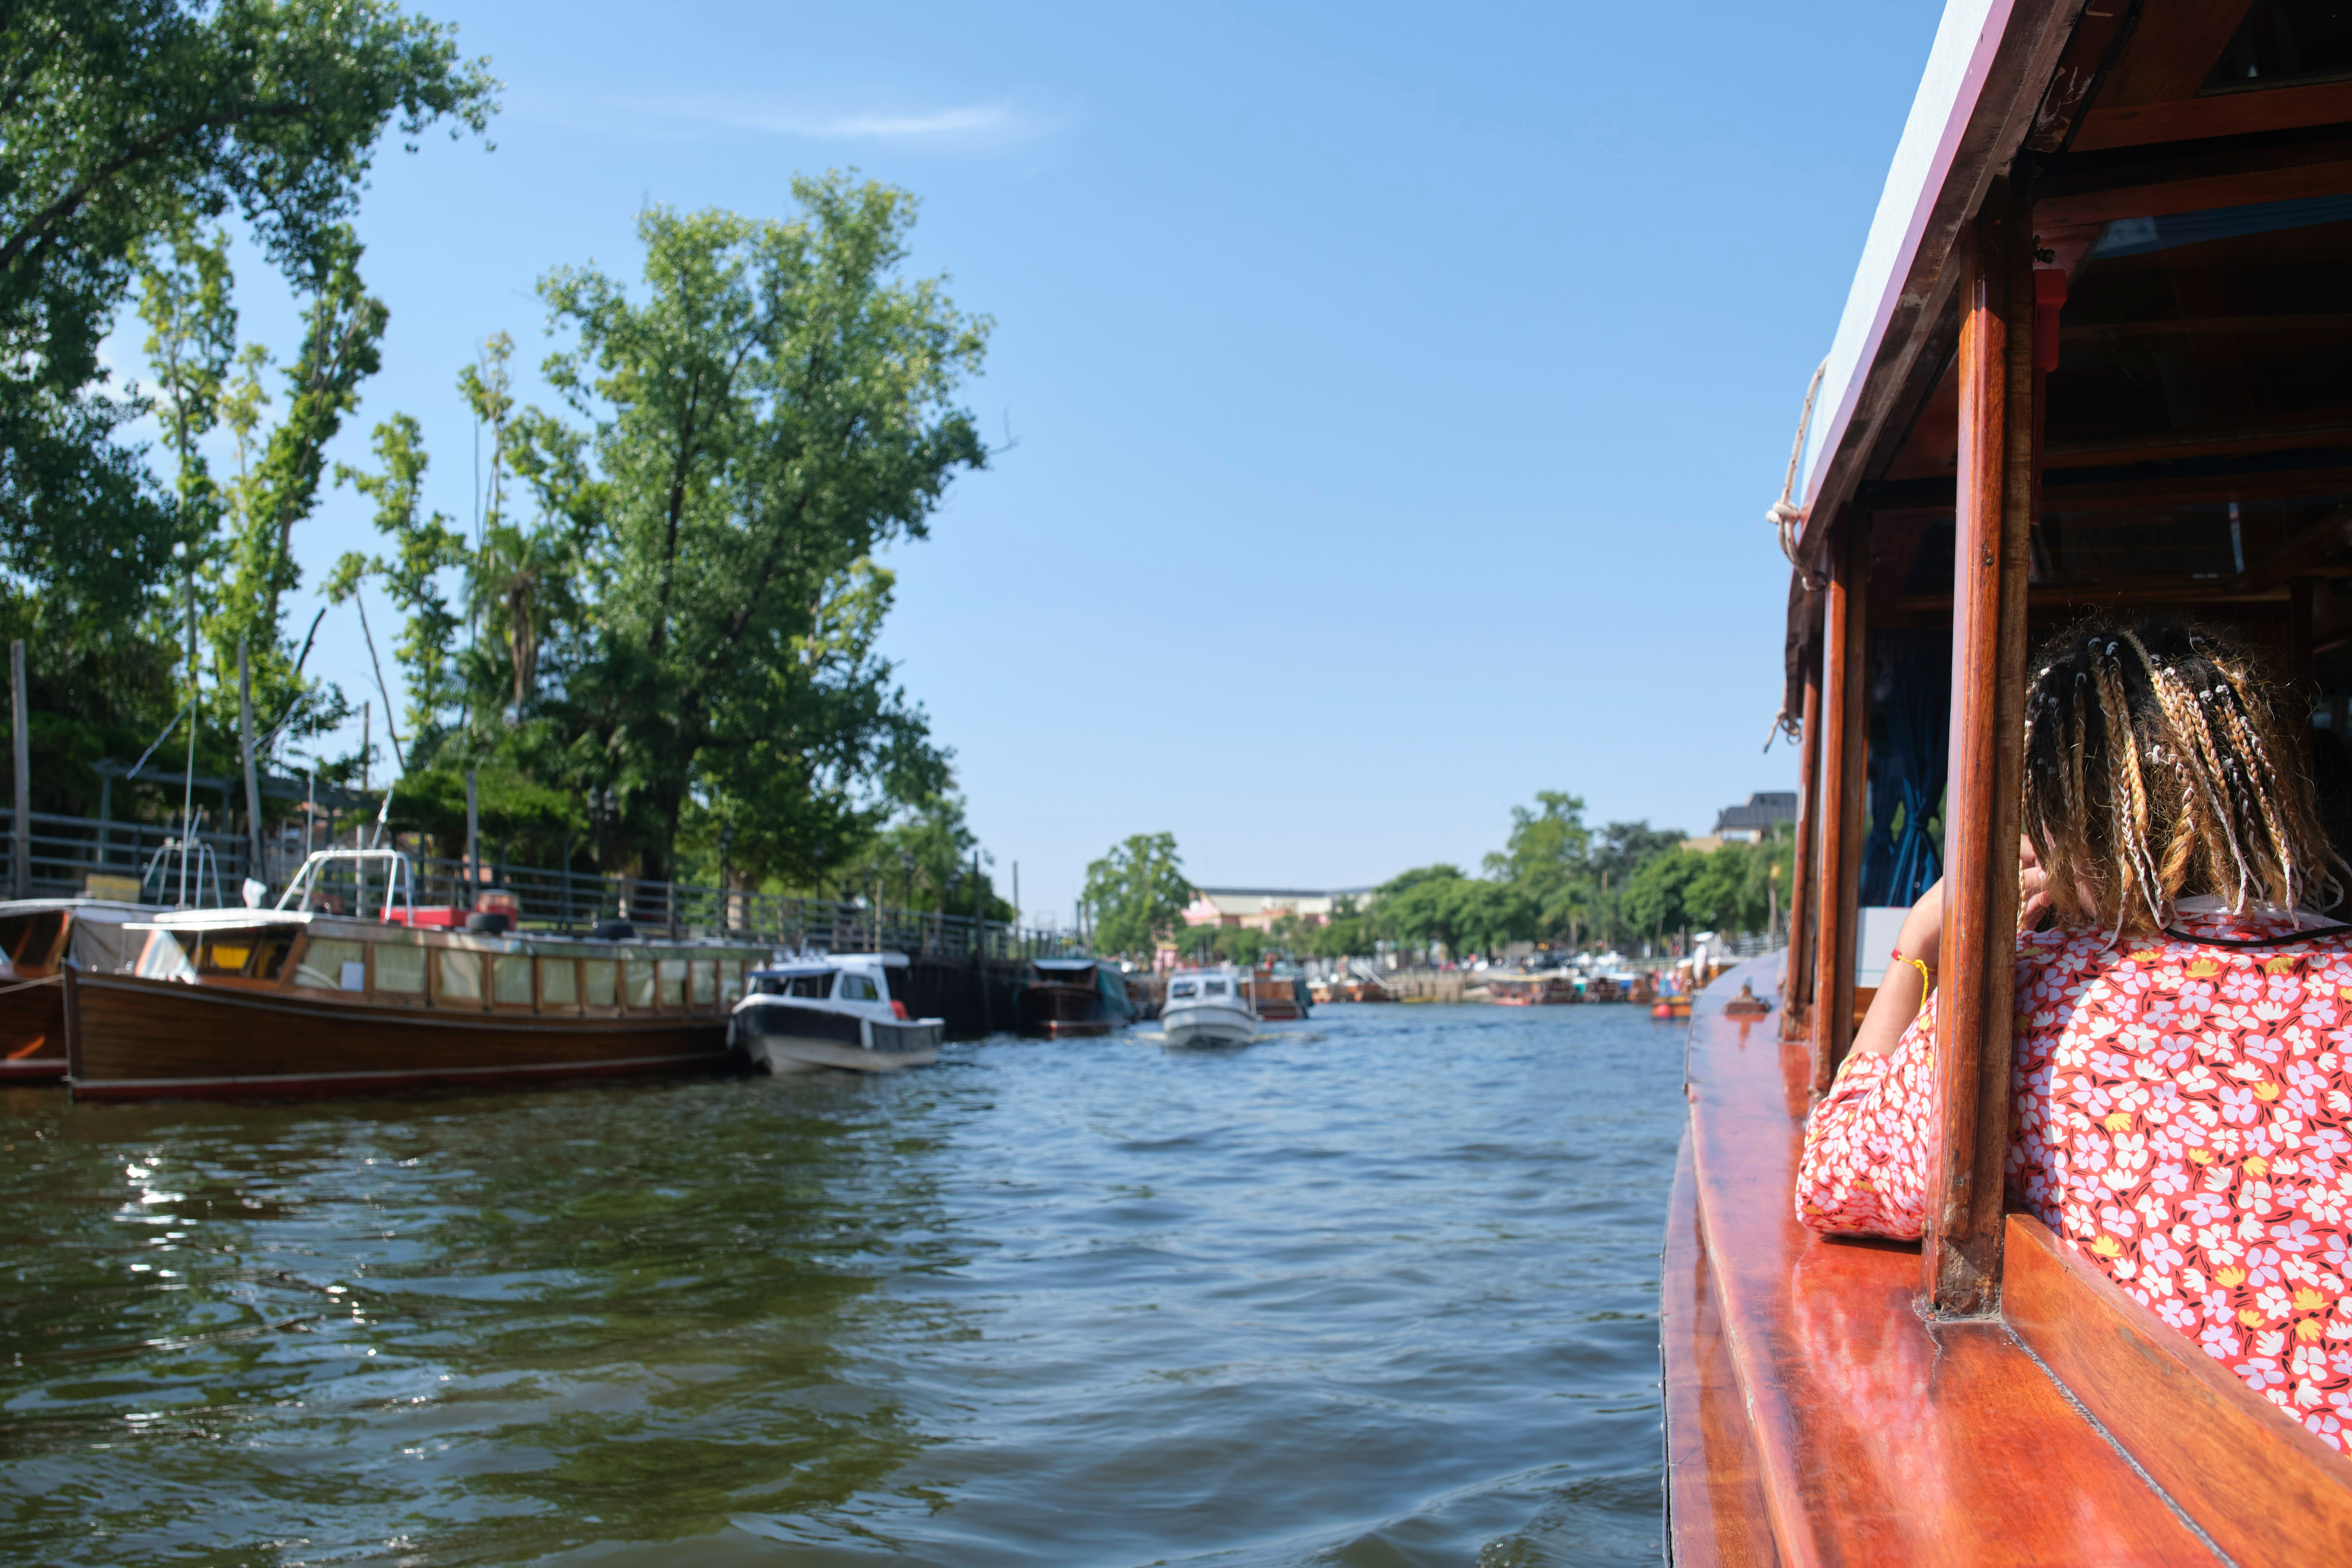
(924, 859)
(1547, 859)
(1656, 892)
(775, 407)
(1138, 893)
(424, 545)
(1425, 905)
(125, 124)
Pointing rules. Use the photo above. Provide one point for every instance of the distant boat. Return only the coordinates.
(37, 938)
(833, 1012)
(1209, 1007)
(1067, 996)
(1521, 990)
(1279, 995)
(1368, 991)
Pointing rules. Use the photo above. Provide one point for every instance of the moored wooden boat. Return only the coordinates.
(1073, 998)
(39, 937)
(1279, 997)
(2093, 355)
(1516, 990)
(292, 1001)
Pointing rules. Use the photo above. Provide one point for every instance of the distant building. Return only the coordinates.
(1259, 908)
(1749, 824)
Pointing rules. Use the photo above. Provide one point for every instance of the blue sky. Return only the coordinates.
(1396, 391)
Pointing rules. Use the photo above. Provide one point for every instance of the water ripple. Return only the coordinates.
(1382, 1292)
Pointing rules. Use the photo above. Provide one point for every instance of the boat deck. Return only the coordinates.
(1816, 1415)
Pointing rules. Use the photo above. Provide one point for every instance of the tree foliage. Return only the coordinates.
(674, 613)
(1138, 893)
(126, 123)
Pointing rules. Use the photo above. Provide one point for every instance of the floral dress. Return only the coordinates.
(2179, 1116)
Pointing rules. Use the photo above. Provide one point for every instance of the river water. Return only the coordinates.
(1383, 1291)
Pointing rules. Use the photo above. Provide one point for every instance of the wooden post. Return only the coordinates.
(1845, 722)
(1796, 996)
(1992, 540)
(20, 828)
(473, 846)
(253, 868)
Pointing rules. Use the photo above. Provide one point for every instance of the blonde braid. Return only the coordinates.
(2127, 793)
(2245, 720)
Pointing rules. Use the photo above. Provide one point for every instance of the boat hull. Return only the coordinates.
(1061, 1012)
(786, 1039)
(33, 1034)
(1208, 1025)
(133, 1038)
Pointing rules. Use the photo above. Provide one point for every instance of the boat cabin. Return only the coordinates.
(2095, 353)
(844, 978)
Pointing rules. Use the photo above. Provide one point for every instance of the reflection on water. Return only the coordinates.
(1383, 1291)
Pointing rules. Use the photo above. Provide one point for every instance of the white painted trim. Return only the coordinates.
(1965, 41)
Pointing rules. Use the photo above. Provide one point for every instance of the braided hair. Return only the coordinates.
(2155, 769)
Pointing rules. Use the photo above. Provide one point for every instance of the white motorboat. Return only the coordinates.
(1207, 1008)
(834, 1011)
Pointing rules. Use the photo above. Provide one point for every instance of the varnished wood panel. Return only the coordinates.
(127, 1036)
(1714, 1491)
(1994, 520)
(2224, 114)
(33, 1034)
(2264, 1489)
(2171, 51)
(1845, 724)
(1881, 1437)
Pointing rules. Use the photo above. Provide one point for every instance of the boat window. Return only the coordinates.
(27, 939)
(704, 974)
(329, 965)
(164, 958)
(812, 985)
(637, 982)
(600, 975)
(673, 983)
(559, 982)
(854, 988)
(461, 976)
(399, 969)
(511, 980)
(1181, 988)
(1212, 988)
(241, 952)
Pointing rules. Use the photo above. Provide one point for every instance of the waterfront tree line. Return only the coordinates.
(653, 643)
(1556, 882)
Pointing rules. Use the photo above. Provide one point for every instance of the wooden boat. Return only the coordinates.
(1676, 1006)
(1530, 990)
(832, 1012)
(37, 938)
(1073, 996)
(293, 1001)
(1368, 991)
(1279, 996)
(2094, 353)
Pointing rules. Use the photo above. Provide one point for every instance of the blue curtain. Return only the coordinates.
(1911, 697)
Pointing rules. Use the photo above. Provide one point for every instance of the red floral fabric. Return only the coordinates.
(2179, 1116)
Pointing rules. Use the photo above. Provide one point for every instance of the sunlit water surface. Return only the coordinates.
(1382, 1292)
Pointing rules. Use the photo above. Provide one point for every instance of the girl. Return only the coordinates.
(2181, 1074)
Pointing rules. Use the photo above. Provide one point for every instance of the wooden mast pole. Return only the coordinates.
(1961, 1251)
(1845, 724)
(1797, 997)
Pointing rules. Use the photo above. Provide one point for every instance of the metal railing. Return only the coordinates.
(68, 851)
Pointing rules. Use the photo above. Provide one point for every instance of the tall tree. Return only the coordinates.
(124, 121)
(1138, 893)
(423, 544)
(775, 406)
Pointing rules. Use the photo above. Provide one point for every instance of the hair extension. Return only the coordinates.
(2186, 753)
